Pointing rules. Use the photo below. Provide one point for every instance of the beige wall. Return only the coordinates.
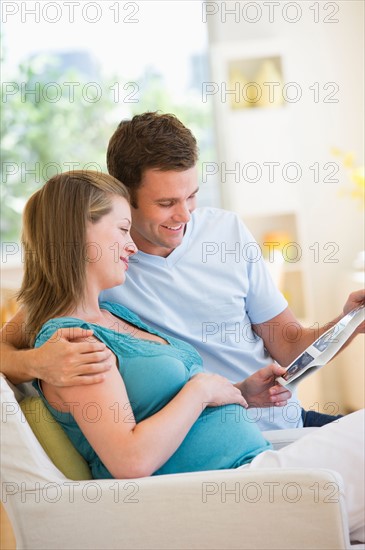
(313, 52)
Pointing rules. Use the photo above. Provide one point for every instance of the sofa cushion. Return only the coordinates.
(54, 440)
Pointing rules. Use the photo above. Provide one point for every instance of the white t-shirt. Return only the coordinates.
(209, 291)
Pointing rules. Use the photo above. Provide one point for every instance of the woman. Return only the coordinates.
(156, 412)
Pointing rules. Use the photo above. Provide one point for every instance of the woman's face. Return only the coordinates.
(109, 246)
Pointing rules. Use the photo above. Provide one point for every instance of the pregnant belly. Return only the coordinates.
(222, 437)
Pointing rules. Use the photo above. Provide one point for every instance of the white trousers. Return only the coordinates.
(338, 446)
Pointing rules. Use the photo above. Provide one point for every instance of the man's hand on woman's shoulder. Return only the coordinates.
(72, 357)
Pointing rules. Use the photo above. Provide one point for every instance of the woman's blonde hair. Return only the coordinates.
(54, 238)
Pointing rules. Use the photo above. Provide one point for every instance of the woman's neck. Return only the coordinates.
(88, 308)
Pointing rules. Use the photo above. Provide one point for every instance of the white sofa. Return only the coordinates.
(226, 509)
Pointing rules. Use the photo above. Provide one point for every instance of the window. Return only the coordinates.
(81, 67)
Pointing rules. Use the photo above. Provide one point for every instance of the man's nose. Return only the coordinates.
(181, 213)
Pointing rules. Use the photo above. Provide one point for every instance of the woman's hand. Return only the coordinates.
(217, 390)
(262, 390)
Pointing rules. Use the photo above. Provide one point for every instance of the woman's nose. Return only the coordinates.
(131, 248)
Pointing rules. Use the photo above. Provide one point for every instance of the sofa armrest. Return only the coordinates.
(276, 509)
(281, 438)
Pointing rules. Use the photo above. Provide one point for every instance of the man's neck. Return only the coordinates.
(150, 248)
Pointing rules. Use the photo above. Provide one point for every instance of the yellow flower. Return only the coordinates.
(348, 160)
(356, 174)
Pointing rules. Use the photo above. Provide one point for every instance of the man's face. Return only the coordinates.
(165, 201)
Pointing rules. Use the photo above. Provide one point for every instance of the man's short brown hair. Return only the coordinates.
(149, 140)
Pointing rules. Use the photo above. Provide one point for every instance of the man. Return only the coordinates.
(184, 280)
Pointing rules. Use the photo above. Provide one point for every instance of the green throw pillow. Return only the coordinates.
(54, 440)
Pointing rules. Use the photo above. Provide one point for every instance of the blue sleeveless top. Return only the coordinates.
(153, 373)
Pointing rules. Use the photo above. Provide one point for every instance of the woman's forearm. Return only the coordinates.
(130, 450)
(154, 440)
(150, 443)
